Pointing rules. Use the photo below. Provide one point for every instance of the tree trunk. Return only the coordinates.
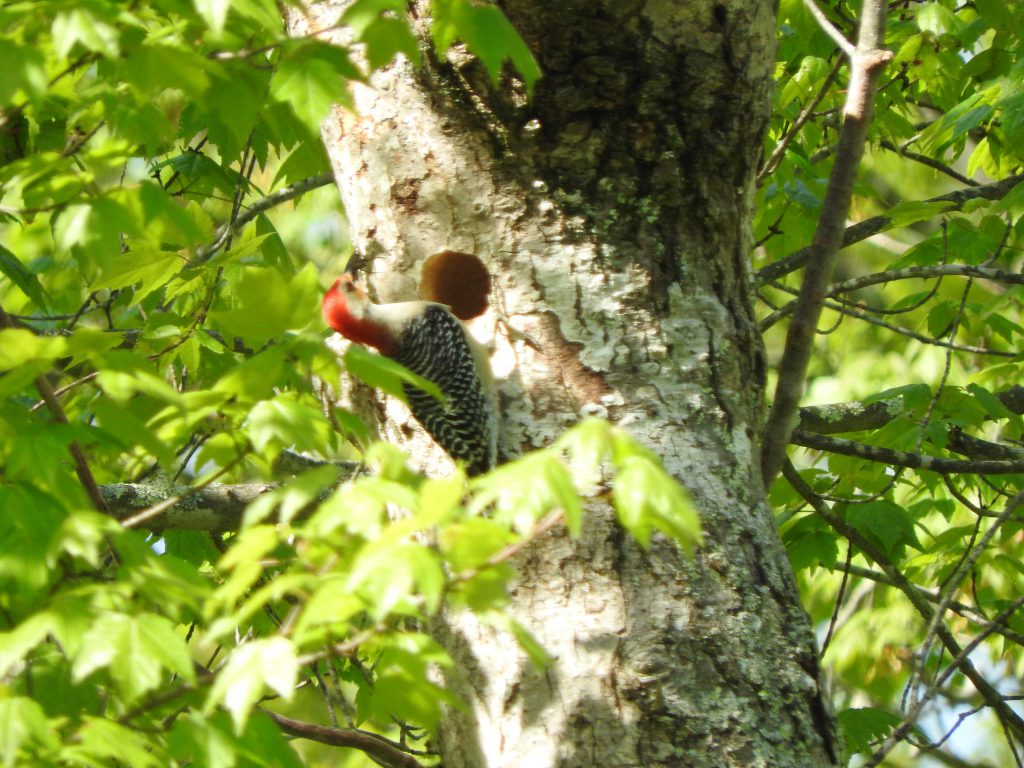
(613, 211)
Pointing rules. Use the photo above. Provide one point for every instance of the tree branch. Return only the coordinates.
(867, 317)
(216, 507)
(780, 149)
(973, 615)
(263, 204)
(991, 696)
(909, 273)
(383, 751)
(896, 458)
(866, 65)
(865, 229)
(935, 165)
(85, 476)
(834, 418)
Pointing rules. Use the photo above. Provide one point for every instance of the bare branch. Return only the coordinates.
(908, 273)
(383, 751)
(865, 229)
(903, 458)
(866, 66)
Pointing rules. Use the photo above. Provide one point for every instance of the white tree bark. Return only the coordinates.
(613, 213)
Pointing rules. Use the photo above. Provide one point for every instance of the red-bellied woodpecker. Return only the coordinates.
(428, 339)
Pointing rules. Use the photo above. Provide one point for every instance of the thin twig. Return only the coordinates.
(992, 697)
(959, 575)
(794, 130)
(928, 161)
(263, 204)
(830, 29)
(870, 318)
(901, 731)
(85, 476)
(864, 229)
(907, 273)
(973, 615)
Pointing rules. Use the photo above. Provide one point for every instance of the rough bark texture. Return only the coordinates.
(612, 210)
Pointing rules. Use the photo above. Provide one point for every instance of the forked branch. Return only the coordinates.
(866, 64)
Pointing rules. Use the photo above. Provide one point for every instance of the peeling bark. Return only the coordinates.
(613, 212)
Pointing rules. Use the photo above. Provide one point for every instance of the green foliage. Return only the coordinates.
(942, 350)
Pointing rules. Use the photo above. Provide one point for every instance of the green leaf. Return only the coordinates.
(885, 522)
(383, 373)
(525, 490)
(647, 500)
(403, 688)
(291, 498)
(210, 743)
(20, 347)
(937, 19)
(535, 652)
(312, 78)
(16, 644)
(100, 739)
(203, 740)
(94, 232)
(862, 727)
(471, 543)
(487, 33)
(215, 12)
(383, 27)
(81, 25)
(284, 422)
(994, 407)
(265, 306)
(253, 668)
(136, 650)
(21, 277)
(941, 318)
(809, 542)
(24, 69)
(388, 576)
(153, 67)
(904, 214)
(142, 265)
(22, 722)
(588, 444)
(169, 221)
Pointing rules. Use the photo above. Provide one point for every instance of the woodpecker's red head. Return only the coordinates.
(346, 308)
